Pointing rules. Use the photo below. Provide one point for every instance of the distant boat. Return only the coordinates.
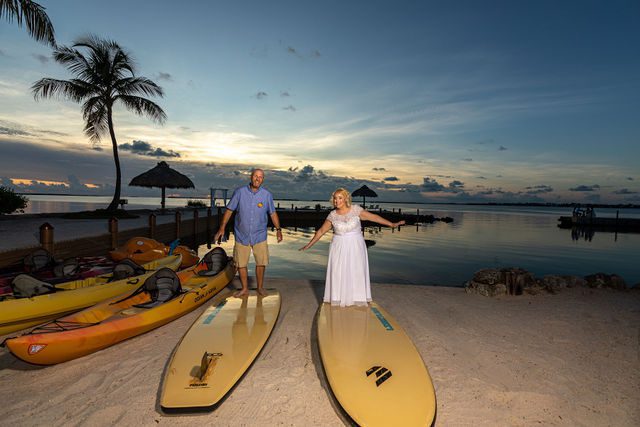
(601, 223)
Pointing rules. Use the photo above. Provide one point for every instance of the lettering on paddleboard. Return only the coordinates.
(382, 374)
(206, 294)
(201, 373)
(382, 320)
(214, 313)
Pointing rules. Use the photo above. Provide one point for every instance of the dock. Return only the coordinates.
(601, 223)
(193, 227)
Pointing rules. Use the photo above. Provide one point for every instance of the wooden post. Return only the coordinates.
(113, 229)
(178, 220)
(195, 228)
(208, 228)
(46, 237)
(152, 226)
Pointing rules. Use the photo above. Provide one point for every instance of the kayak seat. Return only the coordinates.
(126, 268)
(38, 260)
(162, 286)
(26, 286)
(215, 260)
(67, 268)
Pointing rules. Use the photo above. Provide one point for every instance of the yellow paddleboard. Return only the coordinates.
(217, 350)
(373, 368)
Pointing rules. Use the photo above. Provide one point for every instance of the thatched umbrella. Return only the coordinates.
(365, 192)
(164, 177)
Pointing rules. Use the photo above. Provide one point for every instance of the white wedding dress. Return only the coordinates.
(347, 281)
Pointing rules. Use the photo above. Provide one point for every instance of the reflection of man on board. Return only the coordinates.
(252, 205)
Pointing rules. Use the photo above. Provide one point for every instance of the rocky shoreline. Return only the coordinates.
(492, 282)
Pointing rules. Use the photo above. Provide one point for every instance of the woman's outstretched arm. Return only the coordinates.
(368, 216)
(326, 226)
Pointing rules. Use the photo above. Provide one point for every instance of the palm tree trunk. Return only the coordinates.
(116, 196)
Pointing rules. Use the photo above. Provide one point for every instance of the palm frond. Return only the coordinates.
(143, 107)
(97, 122)
(37, 22)
(34, 17)
(132, 85)
(50, 88)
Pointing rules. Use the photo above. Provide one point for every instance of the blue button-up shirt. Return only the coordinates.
(252, 210)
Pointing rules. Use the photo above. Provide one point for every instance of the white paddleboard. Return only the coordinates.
(217, 350)
(374, 370)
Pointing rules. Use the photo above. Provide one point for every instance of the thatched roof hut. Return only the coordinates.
(162, 176)
(364, 192)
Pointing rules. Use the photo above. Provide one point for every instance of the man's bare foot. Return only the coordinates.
(262, 292)
(241, 293)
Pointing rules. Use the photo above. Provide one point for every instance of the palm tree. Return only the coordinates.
(35, 18)
(104, 76)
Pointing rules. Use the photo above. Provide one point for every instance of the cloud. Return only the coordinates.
(583, 188)
(391, 178)
(14, 132)
(625, 191)
(97, 148)
(431, 185)
(260, 95)
(455, 186)
(315, 53)
(378, 169)
(307, 173)
(539, 189)
(284, 94)
(143, 148)
(468, 160)
(502, 148)
(41, 58)
(289, 107)
(164, 76)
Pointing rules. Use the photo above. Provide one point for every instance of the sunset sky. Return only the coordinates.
(422, 101)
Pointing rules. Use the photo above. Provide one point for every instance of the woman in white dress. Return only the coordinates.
(347, 281)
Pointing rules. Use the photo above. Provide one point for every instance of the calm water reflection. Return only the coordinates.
(481, 236)
(449, 254)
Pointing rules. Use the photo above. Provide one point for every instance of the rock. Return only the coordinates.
(555, 283)
(485, 289)
(536, 288)
(488, 276)
(602, 280)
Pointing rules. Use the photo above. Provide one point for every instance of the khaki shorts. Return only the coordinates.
(260, 254)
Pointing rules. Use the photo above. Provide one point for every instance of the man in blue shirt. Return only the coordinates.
(252, 204)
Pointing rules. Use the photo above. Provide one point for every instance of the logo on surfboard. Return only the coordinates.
(382, 374)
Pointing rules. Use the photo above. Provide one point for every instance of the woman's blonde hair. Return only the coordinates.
(344, 193)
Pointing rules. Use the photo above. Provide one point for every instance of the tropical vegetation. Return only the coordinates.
(11, 202)
(104, 75)
(32, 15)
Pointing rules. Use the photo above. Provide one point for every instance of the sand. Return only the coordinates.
(568, 359)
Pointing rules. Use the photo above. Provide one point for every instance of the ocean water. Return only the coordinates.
(481, 236)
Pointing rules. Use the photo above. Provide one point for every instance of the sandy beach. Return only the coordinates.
(566, 359)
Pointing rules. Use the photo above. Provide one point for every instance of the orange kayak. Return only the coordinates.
(143, 249)
(120, 318)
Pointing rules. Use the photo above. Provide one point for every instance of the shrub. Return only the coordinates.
(11, 202)
(196, 204)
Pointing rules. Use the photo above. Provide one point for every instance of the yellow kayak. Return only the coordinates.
(22, 313)
(117, 319)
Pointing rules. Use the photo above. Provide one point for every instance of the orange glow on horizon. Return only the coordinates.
(20, 181)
